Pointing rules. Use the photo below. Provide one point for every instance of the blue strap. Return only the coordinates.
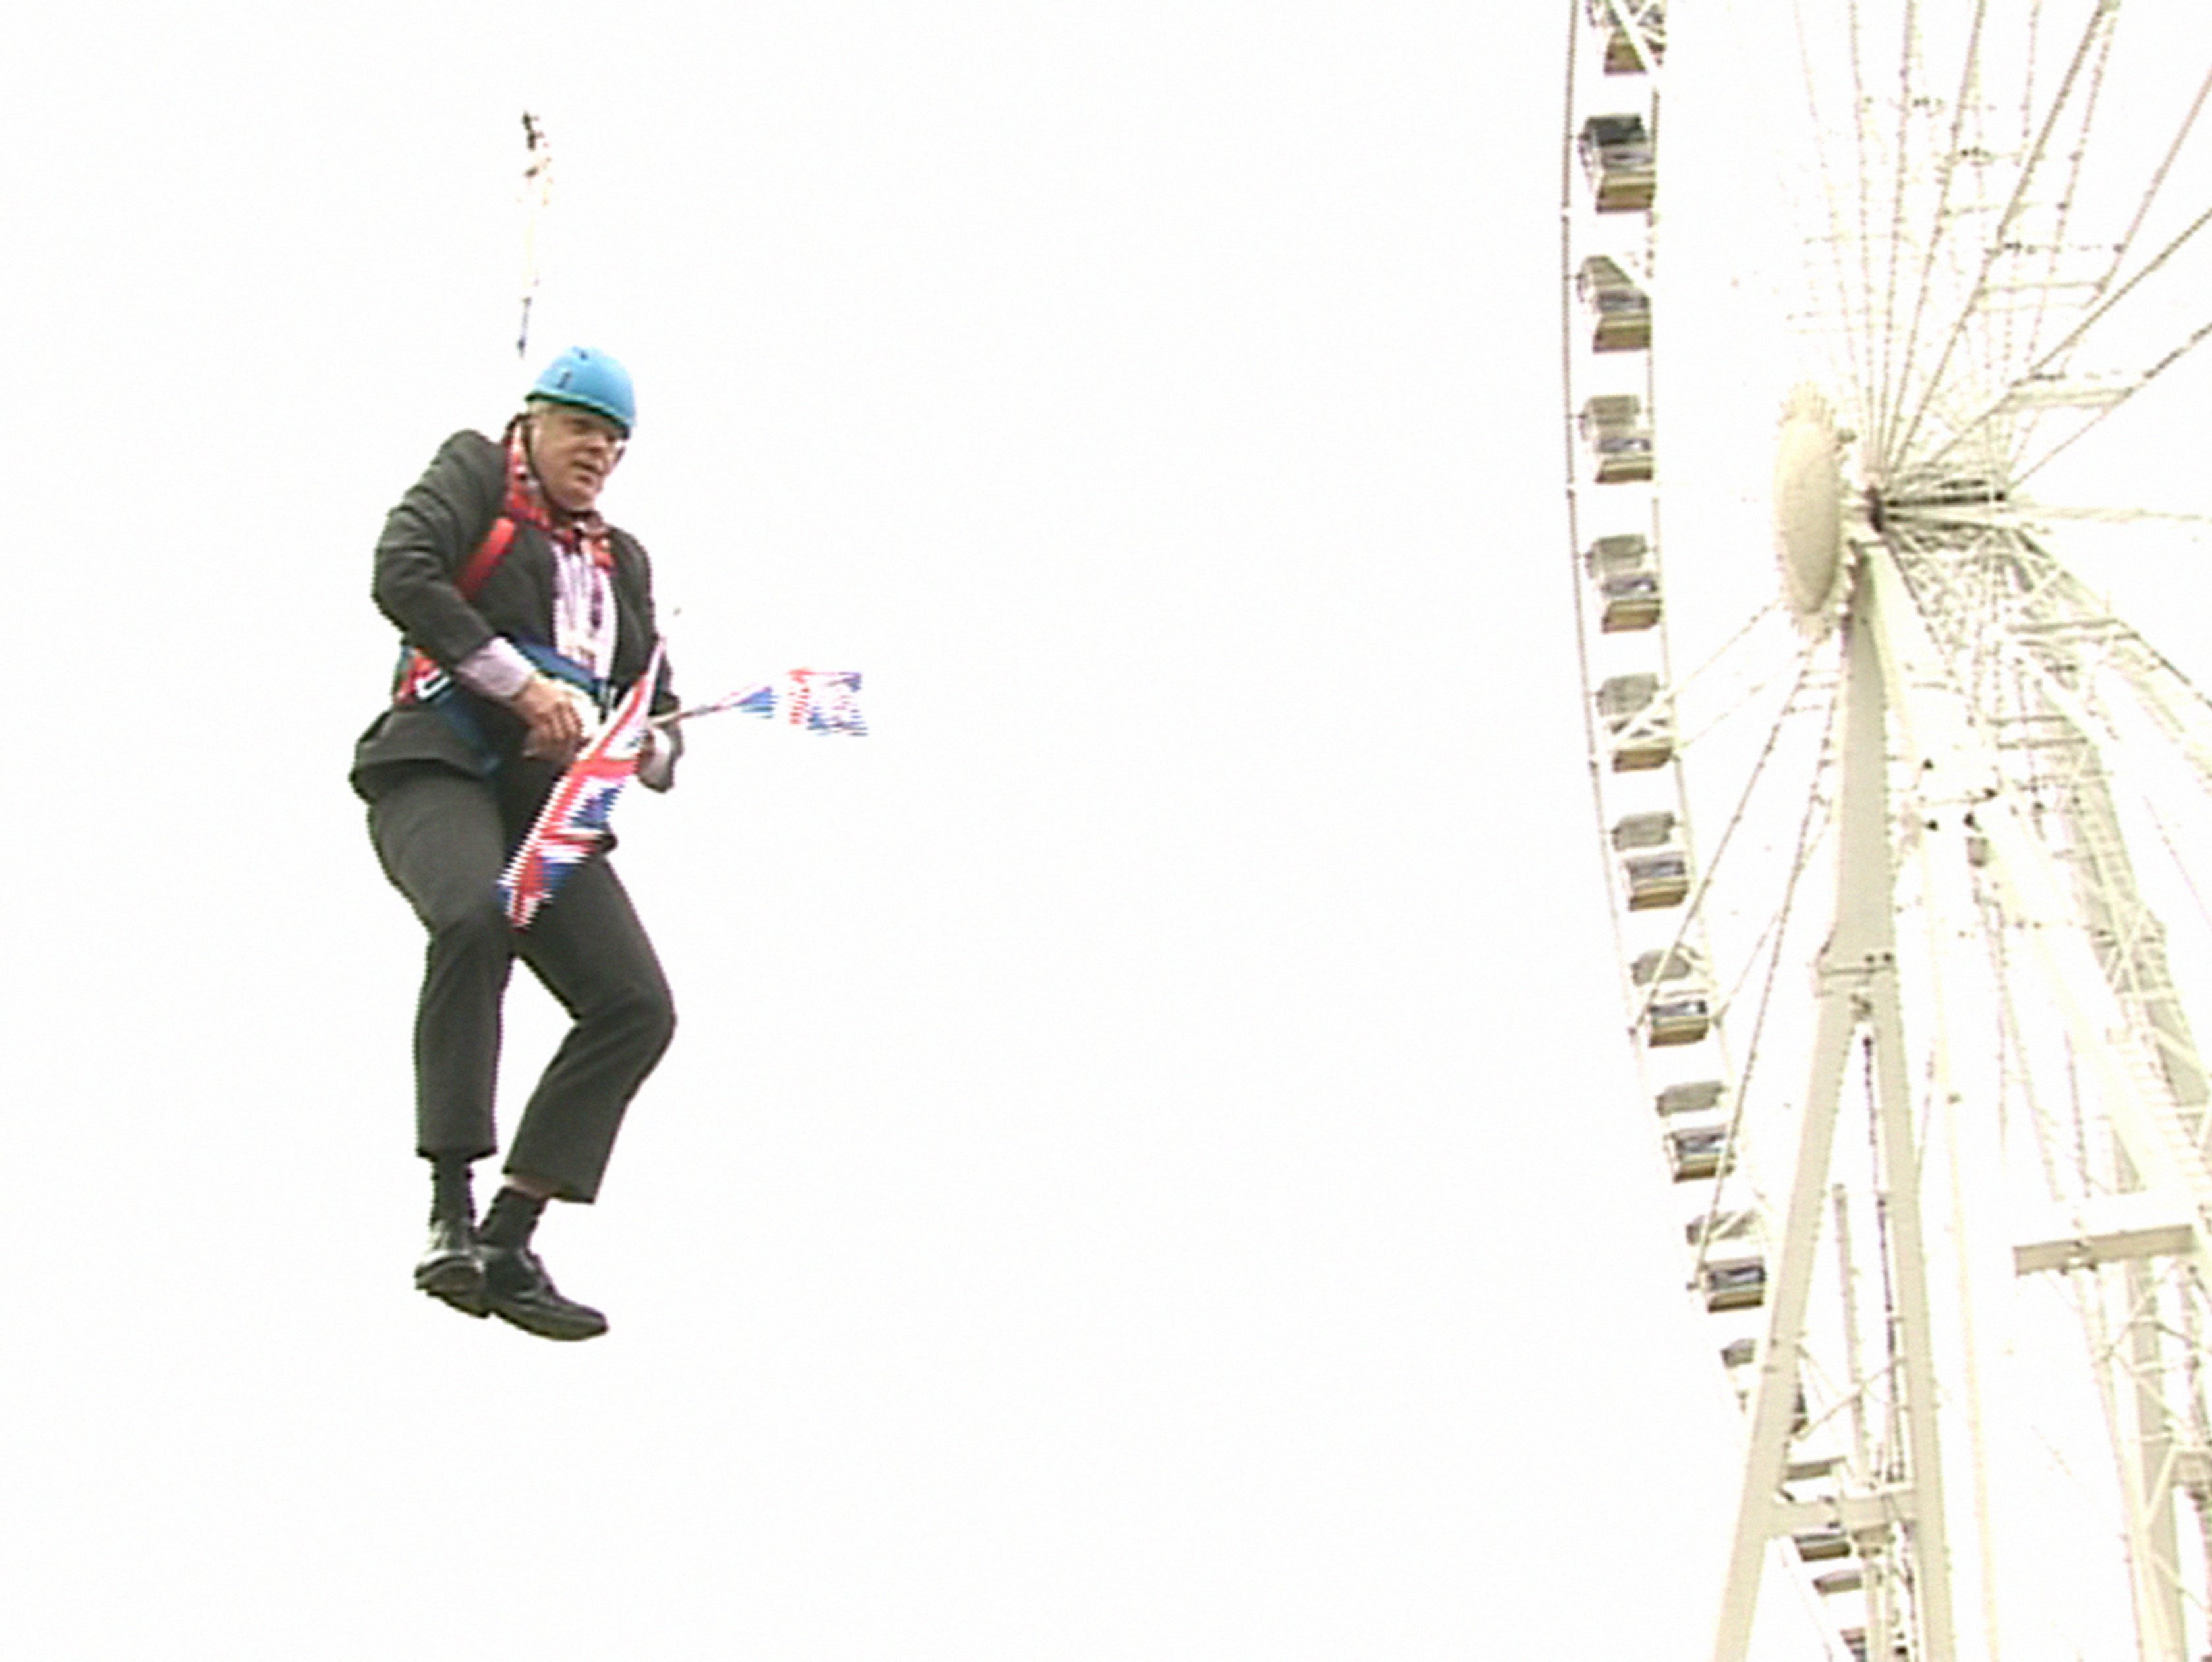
(448, 702)
(549, 662)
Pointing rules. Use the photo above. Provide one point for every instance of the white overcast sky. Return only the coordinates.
(1148, 1168)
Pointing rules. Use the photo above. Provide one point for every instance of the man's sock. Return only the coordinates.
(450, 1195)
(511, 1217)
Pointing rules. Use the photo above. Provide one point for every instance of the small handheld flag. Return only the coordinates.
(819, 700)
(572, 823)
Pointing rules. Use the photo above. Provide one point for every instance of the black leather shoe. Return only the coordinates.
(519, 1290)
(452, 1267)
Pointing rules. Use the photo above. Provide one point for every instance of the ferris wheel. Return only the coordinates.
(1908, 828)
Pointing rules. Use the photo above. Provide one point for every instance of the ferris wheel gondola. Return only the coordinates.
(1908, 831)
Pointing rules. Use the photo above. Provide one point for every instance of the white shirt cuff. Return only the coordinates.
(495, 670)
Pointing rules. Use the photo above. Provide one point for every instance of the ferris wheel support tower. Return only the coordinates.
(1901, 704)
(1900, 1526)
(2139, 1253)
(1902, 1520)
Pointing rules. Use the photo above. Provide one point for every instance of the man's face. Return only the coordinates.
(574, 450)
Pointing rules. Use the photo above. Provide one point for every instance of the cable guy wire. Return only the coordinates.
(537, 194)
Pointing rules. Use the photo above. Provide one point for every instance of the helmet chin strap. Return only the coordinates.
(528, 419)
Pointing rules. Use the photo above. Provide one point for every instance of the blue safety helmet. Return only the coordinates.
(590, 380)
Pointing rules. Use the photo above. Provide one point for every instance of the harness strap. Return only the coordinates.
(489, 554)
(422, 681)
(421, 678)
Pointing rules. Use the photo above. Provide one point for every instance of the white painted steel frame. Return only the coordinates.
(2161, 1155)
(2164, 1443)
(1857, 979)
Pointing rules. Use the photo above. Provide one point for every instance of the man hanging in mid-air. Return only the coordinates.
(525, 616)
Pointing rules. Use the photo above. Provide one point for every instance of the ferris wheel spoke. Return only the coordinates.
(1908, 59)
(1749, 698)
(2000, 241)
(1693, 915)
(1890, 407)
(2027, 470)
(1837, 234)
(1720, 654)
(2041, 384)
(1863, 156)
(1769, 947)
(2188, 876)
(2025, 515)
(2050, 1138)
(2052, 280)
(2157, 184)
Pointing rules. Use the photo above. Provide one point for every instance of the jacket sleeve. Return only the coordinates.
(428, 538)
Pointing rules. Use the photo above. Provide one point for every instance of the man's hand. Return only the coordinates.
(555, 715)
(656, 762)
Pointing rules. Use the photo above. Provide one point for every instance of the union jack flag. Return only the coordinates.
(819, 700)
(828, 701)
(573, 821)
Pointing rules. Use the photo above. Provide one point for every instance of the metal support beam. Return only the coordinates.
(2101, 963)
(1855, 1514)
(2156, 1562)
(1857, 990)
(2109, 1228)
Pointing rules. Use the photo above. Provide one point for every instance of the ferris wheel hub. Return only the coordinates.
(1808, 509)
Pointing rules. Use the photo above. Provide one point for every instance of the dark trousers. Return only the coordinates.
(443, 839)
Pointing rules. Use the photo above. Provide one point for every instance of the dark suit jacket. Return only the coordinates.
(427, 540)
